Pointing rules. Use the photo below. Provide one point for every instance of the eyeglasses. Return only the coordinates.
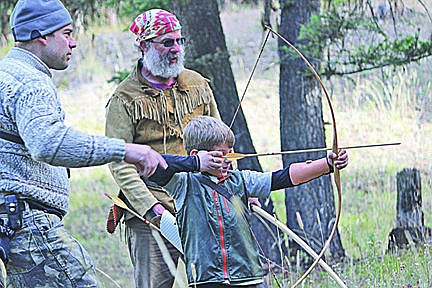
(170, 42)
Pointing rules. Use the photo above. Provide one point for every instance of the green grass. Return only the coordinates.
(369, 110)
(86, 221)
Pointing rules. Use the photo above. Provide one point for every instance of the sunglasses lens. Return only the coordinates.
(168, 42)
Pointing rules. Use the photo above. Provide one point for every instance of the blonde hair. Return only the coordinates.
(205, 132)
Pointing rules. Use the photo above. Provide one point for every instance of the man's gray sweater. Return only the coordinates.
(30, 108)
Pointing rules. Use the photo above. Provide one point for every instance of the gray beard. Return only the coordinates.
(160, 65)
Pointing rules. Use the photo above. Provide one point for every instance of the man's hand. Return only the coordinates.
(158, 209)
(154, 215)
(340, 160)
(253, 201)
(144, 158)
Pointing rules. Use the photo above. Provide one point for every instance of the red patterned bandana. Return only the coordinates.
(153, 23)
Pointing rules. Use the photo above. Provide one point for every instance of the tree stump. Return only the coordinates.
(410, 230)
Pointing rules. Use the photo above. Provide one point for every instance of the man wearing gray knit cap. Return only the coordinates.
(36, 148)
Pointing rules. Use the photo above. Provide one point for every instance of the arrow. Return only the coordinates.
(238, 156)
(168, 228)
(119, 202)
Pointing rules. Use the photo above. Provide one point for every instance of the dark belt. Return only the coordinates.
(47, 209)
(34, 205)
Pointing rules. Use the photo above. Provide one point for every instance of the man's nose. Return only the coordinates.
(176, 47)
(72, 43)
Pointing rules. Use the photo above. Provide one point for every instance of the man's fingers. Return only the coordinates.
(148, 167)
(162, 162)
(144, 158)
(147, 171)
(142, 170)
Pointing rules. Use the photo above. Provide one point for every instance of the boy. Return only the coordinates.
(219, 248)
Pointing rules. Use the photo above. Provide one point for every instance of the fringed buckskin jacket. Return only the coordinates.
(139, 113)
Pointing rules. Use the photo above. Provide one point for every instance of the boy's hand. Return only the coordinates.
(210, 161)
(340, 160)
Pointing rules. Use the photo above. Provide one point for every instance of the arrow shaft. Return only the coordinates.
(315, 150)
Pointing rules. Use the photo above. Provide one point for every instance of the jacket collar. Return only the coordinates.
(217, 180)
(28, 58)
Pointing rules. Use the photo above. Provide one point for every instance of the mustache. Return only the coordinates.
(160, 65)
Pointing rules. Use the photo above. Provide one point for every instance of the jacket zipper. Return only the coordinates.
(222, 236)
(227, 209)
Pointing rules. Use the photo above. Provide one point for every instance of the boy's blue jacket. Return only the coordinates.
(215, 233)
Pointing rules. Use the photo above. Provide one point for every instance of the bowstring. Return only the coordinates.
(262, 254)
(261, 251)
(250, 78)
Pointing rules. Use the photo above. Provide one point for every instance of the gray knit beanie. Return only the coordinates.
(31, 19)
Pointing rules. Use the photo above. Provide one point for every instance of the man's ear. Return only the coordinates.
(144, 46)
(42, 39)
(193, 152)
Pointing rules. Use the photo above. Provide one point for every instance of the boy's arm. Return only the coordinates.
(202, 161)
(175, 164)
(302, 172)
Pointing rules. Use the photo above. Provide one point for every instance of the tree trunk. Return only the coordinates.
(410, 230)
(302, 126)
(207, 53)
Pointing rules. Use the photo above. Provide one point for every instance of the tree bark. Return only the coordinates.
(207, 53)
(302, 126)
(410, 230)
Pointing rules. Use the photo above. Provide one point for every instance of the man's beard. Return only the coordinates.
(159, 65)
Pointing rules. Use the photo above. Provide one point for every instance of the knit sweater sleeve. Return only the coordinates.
(40, 122)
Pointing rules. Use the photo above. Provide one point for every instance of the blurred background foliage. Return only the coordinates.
(347, 36)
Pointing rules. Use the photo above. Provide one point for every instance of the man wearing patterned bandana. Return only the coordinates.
(152, 106)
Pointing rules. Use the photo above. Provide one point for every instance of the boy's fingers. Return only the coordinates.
(331, 158)
(216, 153)
(342, 162)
